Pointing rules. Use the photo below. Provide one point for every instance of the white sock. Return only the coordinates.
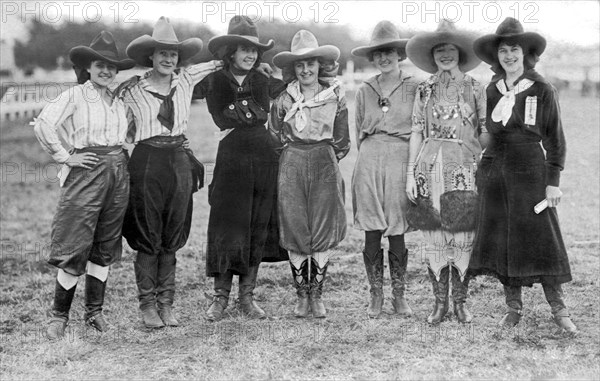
(97, 271)
(66, 280)
(296, 259)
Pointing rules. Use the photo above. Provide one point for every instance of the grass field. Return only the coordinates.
(347, 345)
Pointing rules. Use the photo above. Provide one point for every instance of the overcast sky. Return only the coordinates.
(576, 22)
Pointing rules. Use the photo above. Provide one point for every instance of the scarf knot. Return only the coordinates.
(503, 110)
(297, 110)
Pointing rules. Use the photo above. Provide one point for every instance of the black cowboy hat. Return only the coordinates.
(242, 30)
(102, 48)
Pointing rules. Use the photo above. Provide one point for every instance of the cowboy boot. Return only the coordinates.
(440, 291)
(374, 267)
(145, 267)
(515, 306)
(220, 299)
(398, 274)
(300, 277)
(554, 296)
(316, 288)
(459, 295)
(60, 311)
(247, 303)
(165, 290)
(94, 299)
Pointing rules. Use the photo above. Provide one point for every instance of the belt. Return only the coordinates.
(101, 150)
(164, 142)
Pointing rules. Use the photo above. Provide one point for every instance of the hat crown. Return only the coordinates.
(163, 31)
(303, 40)
(446, 26)
(242, 26)
(384, 31)
(105, 44)
(510, 26)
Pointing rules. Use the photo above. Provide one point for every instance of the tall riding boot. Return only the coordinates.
(220, 297)
(94, 299)
(374, 267)
(146, 273)
(316, 288)
(554, 296)
(440, 291)
(300, 277)
(459, 295)
(398, 266)
(515, 306)
(165, 289)
(60, 311)
(247, 303)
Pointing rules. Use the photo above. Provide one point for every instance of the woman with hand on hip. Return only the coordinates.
(310, 120)
(86, 230)
(445, 146)
(515, 243)
(384, 105)
(159, 216)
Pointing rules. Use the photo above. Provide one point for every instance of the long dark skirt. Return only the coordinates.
(513, 243)
(242, 226)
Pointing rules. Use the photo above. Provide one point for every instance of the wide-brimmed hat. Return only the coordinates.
(385, 35)
(163, 37)
(486, 47)
(305, 45)
(419, 47)
(102, 48)
(242, 30)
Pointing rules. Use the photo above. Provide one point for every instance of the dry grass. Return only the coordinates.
(346, 345)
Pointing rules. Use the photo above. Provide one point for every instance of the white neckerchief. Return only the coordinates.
(504, 107)
(297, 109)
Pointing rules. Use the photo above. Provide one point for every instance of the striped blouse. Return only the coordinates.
(143, 107)
(82, 119)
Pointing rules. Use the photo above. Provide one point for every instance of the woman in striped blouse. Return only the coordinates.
(158, 218)
(86, 230)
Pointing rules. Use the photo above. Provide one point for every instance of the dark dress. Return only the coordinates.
(242, 226)
(513, 243)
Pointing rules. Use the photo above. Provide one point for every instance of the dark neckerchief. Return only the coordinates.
(166, 113)
(239, 72)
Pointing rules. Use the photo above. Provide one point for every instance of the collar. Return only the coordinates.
(144, 84)
(374, 83)
(504, 108)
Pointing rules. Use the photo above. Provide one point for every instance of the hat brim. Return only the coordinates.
(363, 51)
(486, 47)
(418, 49)
(216, 44)
(326, 52)
(82, 56)
(143, 47)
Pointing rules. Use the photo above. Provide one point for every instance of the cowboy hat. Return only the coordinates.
(385, 35)
(163, 37)
(242, 30)
(102, 48)
(419, 47)
(305, 45)
(486, 47)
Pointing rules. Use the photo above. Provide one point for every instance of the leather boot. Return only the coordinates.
(220, 299)
(459, 295)
(146, 273)
(374, 267)
(60, 311)
(515, 306)
(94, 299)
(440, 291)
(247, 303)
(300, 277)
(316, 289)
(165, 289)
(398, 274)
(554, 296)
(218, 305)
